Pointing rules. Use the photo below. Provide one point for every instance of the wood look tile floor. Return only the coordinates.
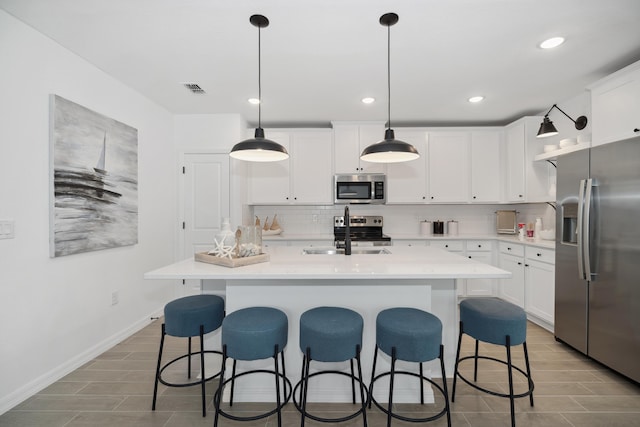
(115, 389)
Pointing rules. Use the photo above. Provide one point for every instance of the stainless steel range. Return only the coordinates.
(364, 231)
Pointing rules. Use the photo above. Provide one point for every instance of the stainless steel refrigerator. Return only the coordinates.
(597, 309)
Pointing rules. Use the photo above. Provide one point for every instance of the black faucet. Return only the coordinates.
(347, 232)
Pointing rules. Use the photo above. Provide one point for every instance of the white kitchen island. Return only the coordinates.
(420, 277)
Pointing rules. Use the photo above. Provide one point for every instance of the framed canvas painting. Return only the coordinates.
(93, 180)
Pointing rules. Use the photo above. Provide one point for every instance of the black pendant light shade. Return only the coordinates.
(258, 148)
(548, 129)
(390, 150)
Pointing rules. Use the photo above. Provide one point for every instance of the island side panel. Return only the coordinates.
(367, 297)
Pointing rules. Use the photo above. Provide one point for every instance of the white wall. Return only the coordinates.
(56, 313)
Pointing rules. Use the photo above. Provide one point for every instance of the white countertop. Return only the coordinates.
(288, 262)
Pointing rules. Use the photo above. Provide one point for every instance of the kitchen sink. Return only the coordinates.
(354, 251)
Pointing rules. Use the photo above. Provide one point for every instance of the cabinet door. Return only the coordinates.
(485, 166)
(448, 167)
(370, 134)
(269, 182)
(407, 182)
(349, 141)
(480, 287)
(311, 178)
(615, 109)
(514, 148)
(512, 289)
(538, 175)
(540, 289)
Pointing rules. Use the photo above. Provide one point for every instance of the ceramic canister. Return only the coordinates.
(452, 227)
(426, 228)
(438, 227)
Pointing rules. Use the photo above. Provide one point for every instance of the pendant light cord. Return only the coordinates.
(389, 76)
(259, 82)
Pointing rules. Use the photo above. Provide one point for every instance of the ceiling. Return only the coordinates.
(321, 57)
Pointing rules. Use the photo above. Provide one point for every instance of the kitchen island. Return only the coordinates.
(419, 277)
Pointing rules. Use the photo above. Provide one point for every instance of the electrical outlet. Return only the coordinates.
(314, 218)
(115, 298)
(7, 227)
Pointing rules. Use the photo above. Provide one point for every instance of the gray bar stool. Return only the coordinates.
(499, 322)
(411, 335)
(189, 317)
(330, 334)
(248, 334)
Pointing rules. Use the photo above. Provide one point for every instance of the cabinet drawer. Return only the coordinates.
(448, 245)
(540, 254)
(511, 248)
(479, 245)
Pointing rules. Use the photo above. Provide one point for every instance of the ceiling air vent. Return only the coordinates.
(194, 88)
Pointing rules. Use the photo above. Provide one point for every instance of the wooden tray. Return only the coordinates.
(233, 262)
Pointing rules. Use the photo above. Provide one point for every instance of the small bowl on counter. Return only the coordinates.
(548, 234)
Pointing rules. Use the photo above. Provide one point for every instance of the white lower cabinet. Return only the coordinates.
(532, 285)
(480, 250)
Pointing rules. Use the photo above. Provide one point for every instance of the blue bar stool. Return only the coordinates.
(330, 334)
(248, 334)
(498, 322)
(411, 335)
(189, 317)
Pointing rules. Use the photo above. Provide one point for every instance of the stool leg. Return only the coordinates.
(421, 385)
(305, 385)
(189, 360)
(362, 398)
(391, 376)
(218, 396)
(529, 380)
(233, 382)
(444, 386)
(155, 386)
(284, 375)
(353, 383)
(203, 376)
(475, 365)
(455, 372)
(511, 399)
(279, 406)
(373, 373)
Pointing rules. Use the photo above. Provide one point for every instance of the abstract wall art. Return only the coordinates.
(93, 180)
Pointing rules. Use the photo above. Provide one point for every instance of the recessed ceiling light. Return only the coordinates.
(475, 99)
(552, 42)
(368, 100)
(254, 101)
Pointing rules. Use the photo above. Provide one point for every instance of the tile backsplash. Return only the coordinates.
(399, 219)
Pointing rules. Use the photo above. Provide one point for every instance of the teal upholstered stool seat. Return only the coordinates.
(251, 334)
(192, 316)
(498, 322)
(330, 334)
(410, 335)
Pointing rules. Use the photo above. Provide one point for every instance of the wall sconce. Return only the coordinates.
(548, 129)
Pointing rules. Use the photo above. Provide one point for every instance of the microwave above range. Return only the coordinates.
(363, 188)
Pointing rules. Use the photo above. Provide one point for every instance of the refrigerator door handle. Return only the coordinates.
(580, 228)
(586, 230)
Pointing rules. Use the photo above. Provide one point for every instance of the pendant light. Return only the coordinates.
(390, 150)
(548, 129)
(258, 148)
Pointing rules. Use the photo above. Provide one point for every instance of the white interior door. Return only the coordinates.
(205, 191)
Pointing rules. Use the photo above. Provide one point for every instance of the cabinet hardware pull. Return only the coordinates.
(539, 254)
(508, 249)
(446, 246)
(469, 256)
(519, 263)
(636, 130)
(526, 265)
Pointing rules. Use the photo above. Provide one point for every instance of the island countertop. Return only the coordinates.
(289, 262)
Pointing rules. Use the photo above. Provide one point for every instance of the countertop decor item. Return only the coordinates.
(390, 150)
(258, 148)
(230, 262)
(548, 129)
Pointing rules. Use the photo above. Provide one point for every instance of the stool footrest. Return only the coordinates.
(495, 393)
(195, 353)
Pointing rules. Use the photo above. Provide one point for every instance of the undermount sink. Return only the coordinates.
(354, 251)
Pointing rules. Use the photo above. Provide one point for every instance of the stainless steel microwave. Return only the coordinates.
(363, 188)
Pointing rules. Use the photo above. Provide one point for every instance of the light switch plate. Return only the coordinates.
(7, 227)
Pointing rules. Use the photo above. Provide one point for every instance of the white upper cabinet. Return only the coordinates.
(615, 106)
(407, 181)
(304, 178)
(526, 180)
(349, 139)
(485, 166)
(448, 167)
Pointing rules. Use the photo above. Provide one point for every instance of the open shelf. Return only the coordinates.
(553, 155)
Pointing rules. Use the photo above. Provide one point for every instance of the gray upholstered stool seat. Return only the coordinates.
(249, 334)
(410, 335)
(330, 334)
(189, 317)
(498, 322)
